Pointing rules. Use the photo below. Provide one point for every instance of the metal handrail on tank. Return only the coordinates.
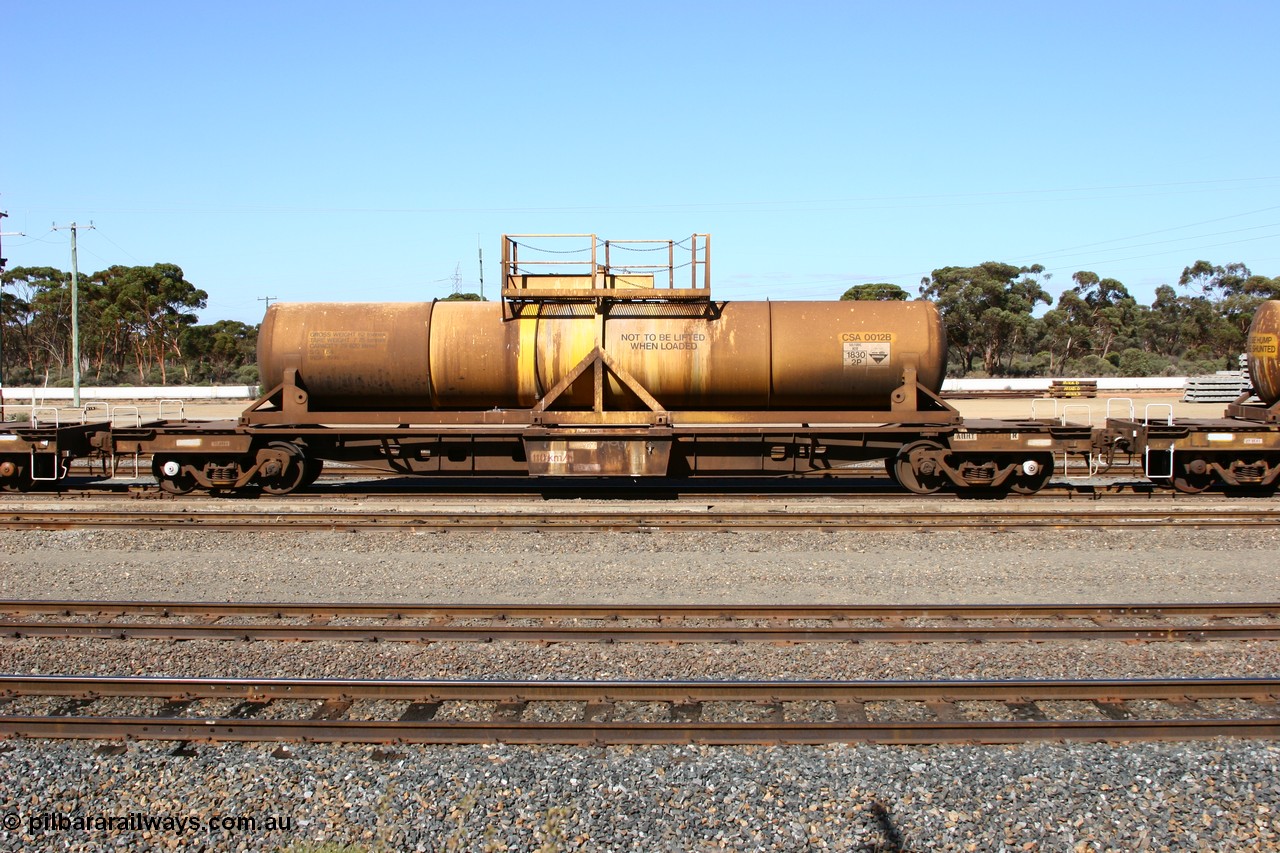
(548, 274)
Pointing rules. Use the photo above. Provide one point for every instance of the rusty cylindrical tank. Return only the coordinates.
(461, 355)
(1263, 348)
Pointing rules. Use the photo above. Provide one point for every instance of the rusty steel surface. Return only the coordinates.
(511, 610)
(764, 623)
(349, 353)
(674, 691)
(476, 360)
(906, 732)
(790, 710)
(649, 634)
(743, 355)
(1263, 350)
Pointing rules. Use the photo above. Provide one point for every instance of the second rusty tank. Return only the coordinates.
(1263, 349)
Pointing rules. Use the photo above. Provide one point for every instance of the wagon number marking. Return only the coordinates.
(865, 349)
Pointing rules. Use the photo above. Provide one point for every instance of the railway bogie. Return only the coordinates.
(33, 453)
(1193, 455)
(993, 456)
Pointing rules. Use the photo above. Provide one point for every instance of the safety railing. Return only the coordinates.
(583, 266)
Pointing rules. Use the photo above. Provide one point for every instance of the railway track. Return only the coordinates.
(628, 712)
(635, 712)
(958, 515)
(639, 623)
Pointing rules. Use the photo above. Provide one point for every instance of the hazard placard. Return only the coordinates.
(867, 353)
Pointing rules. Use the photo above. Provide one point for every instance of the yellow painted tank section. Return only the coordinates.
(565, 334)
(1263, 352)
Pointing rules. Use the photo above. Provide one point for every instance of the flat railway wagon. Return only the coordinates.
(40, 450)
(1239, 452)
(610, 359)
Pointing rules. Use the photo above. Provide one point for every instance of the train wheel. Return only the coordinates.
(1192, 476)
(170, 477)
(1033, 475)
(284, 475)
(313, 469)
(14, 476)
(919, 474)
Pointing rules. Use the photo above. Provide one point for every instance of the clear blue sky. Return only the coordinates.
(353, 151)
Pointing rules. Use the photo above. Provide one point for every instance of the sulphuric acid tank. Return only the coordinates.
(738, 355)
(1263, 349)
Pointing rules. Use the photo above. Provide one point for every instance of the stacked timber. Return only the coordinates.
(1067, 388)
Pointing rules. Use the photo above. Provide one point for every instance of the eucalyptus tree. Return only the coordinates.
(1065, 331)
(1110, 313)
(1235, 293)
(218, 352)
(37, 318)
(875, 292)
(987, 308)
(151, 306)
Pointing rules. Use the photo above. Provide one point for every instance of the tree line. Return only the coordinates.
(1096, 329)
(137, 327)
(138, 324)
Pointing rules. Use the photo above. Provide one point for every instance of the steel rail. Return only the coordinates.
(516, 610)
(913, 732)
(675, 691)
(580, 634)
(633, 520)
(556, 623)
(327, 725)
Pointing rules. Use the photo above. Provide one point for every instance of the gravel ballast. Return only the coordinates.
(898, 567)
(1212, 795)
(1198, 796)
